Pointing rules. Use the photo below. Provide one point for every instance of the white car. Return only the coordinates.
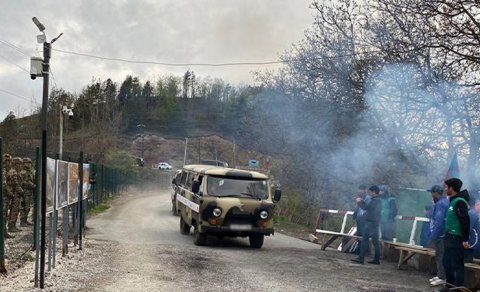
(164, 166)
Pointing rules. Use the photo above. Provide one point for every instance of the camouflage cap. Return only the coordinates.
(7, 157)
(27, 160)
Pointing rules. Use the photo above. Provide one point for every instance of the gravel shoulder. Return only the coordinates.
(136, 246)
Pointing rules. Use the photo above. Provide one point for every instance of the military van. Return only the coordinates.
(219, 201)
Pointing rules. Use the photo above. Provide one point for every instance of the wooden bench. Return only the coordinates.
(408, 251)
(334, 236)
(472, 274)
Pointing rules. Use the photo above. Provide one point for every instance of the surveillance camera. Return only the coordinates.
(33, 76)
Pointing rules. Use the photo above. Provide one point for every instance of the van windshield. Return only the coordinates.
(229, 187)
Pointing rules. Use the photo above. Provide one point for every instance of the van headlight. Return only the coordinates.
(263, 215)
(217, 212)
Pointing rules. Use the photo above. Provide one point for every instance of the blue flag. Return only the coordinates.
(454, 169)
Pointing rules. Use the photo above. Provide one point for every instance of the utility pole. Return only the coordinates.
(142, 129)
(45, 74)
(234, 163)
(3, 269)
(60, 146)
(64, 110)
(185, 155)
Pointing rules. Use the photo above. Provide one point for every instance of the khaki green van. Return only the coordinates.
(219, 201)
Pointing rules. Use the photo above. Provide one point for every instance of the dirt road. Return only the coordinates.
(146, 252)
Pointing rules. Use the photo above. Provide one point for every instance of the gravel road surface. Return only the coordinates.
(136, 246)
(153, 255)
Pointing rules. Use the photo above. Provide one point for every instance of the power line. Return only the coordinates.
(168, 64)
(22, 68)
(340, 56)
(12, 46)
(17, 96)
(201, 64)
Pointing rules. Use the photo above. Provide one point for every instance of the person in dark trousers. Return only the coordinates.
(389, 212)
(457, 231)
(372, 226)
(359, 215)
(437, 231)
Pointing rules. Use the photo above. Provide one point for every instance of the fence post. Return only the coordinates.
(3, 269)
(80, 200)
(344, 223)
(412, 234)
(35, 198)
(36, 215)
(53, 229)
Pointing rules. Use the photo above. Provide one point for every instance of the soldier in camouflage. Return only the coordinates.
(17, 191)
(28, 178)
(7, 191)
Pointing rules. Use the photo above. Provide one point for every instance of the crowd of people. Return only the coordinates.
(452, 231)
(18, 185)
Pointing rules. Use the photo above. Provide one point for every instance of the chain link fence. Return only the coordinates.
(65, 218)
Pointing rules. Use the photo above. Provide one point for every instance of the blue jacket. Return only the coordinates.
(474, 239)
(437, 222)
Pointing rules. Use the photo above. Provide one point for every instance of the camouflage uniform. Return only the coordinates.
(7, 192)
(28, 178)
(17, 191)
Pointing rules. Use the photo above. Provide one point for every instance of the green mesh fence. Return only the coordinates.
(411, 202)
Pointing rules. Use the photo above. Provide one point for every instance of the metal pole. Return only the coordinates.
(74, 222)
(143, 146)
(3, 269)
(51, 238)
(65, 231)
(234, 162)
(60, 146)
(35, 198)
(53, 231)
(199, 149)
(80, 199)
(36, 214)
(46, 68)
(185, 155)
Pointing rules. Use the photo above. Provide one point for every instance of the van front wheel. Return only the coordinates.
(184, 227)
(256, 240)
(199, 237)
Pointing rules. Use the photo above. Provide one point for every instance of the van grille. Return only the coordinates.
(236, 216)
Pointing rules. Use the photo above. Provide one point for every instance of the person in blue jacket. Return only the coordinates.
(437, 230)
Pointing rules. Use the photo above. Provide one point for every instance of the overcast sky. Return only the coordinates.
(173, 31)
